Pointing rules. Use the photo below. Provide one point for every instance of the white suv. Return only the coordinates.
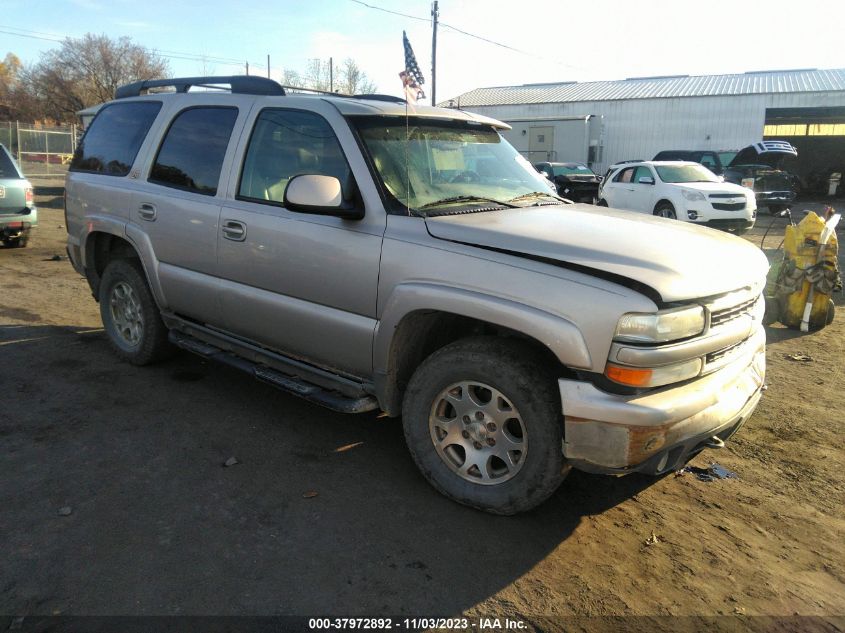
(681, 190)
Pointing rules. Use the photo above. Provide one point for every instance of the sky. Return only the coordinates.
(535, 42)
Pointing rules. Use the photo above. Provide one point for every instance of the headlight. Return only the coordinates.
(692, 196)
(653, 377)
(660, 327)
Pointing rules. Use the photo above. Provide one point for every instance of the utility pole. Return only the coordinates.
(331, 74)
(247, 68)
(268, 66)
(434, 16)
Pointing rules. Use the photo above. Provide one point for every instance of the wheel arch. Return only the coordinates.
(422, 318)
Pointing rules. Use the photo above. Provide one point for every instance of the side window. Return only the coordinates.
(625, 175)
(288, 143)
(114, 137)
(191, 154)
(642, 172)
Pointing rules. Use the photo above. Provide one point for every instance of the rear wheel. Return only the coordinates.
(130, 315)
(776, 209)
(665, 209)
(482, 422)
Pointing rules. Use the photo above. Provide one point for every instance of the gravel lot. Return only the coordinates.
(154, 524)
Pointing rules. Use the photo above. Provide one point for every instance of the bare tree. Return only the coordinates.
(318, 74)
(86, 71)
(353, 80)
(293, 78)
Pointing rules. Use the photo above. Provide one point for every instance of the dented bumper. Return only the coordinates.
(660, 430)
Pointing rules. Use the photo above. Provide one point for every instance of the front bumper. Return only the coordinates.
(774, 197)
(738, 224)
(659, 431)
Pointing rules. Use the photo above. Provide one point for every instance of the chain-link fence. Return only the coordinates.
(41, 151)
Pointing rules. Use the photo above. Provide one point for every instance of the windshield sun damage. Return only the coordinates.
(685, 173)
(433, 165)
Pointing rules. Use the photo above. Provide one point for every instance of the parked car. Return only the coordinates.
(713, 160)
(18, 213)
(352, 254)
(573, 181)
(761, 167)
(680, 190)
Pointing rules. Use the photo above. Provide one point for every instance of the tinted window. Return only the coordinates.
(287, 143)
(112, 142)
(7, 167)
(192, 152)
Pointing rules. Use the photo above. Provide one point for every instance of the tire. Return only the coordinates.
(525, 426)
(130, 315)
(665, 209)
(17, 242)
(601, 203)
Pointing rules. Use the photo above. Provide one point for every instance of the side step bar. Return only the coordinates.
(295, 385)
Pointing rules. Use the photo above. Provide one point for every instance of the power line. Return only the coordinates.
(468, 34)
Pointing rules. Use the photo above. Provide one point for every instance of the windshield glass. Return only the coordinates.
(447, 163)
(685, 173)
(726, 157)
(571, 168)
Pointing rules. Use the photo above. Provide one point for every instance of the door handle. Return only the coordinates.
(234, 230)
(147, 212)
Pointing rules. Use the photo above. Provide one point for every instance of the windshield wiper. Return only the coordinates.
(455, 199)
(539, 194)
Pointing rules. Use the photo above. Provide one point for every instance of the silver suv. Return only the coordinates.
(366, 255)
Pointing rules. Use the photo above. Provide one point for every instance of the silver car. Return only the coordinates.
(17, 203)
(367, 256)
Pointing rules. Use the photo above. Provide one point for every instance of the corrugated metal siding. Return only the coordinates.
(780, 82)
(639, 128)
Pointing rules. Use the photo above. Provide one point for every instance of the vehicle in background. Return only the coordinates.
(17, 203)
(712, 160)
(761, 167)
(573, 181)
(680, 190)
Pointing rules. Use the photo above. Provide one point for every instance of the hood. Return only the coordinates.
(677, 260)
(769, 153)
(711, 187)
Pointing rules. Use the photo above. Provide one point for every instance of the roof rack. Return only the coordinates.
(378, 97)
(239, 84)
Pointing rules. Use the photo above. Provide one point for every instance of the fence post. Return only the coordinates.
(18, 130)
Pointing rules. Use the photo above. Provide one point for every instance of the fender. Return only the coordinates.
(561, 336)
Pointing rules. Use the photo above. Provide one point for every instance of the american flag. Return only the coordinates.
(412, 77)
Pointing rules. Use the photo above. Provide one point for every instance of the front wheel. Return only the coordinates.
(602, 203)
(665, 210)
(130, 315)
(482, 421)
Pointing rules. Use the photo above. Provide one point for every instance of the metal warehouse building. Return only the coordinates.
(603, 122)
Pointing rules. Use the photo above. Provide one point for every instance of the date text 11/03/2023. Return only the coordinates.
(417, 624)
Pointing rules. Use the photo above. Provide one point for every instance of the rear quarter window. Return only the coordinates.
(112, 141)
(7, 167)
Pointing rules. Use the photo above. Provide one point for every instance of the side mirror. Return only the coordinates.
(646, 180)
(321, 195)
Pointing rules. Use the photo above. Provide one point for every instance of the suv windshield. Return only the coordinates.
(685, 173)
(431, 163)
(571, 168)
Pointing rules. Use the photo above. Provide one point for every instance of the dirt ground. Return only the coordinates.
(158, 526)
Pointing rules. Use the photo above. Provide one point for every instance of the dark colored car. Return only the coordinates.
(761, 167)
(17, 207)
(574, 181)
(713, 160)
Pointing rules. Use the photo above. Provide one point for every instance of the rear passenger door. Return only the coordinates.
(178, 206)
(300, 283)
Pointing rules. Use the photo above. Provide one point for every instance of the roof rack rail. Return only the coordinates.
(240, 84)
(379, 97)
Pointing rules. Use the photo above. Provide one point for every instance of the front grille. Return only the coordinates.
(716, 196)
(729, 206)
(712, 357)
(718, 317)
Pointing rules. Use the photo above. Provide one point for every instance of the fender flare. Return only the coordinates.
(560, 335)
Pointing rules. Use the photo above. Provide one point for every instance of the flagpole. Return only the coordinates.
(434, 15)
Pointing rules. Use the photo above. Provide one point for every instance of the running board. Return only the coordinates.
(295, 385)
